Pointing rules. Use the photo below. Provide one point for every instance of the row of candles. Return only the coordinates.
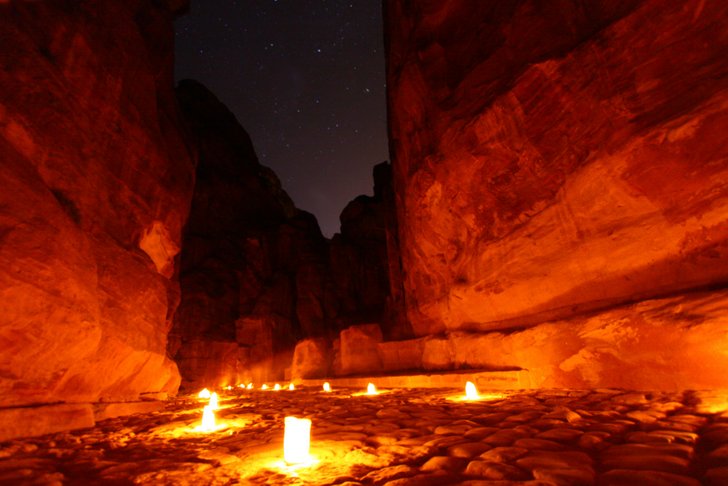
(297, 432)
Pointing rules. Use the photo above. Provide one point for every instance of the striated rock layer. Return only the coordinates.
(554, 158)
(95, 188)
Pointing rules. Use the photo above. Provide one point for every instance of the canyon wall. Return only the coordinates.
(246, 252)
(557, 160)
(95, 186)
(257, 275)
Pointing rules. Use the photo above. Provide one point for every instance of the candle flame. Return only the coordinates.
(371, 389)
(471, 393)
(296, 440)
(228, 388)
(250, 386)
(208, 419)
(204, 393)
(327, 387)
(291, 387)
(264, 386)
(277, 387)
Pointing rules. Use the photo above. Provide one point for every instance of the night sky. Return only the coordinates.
(305, 78)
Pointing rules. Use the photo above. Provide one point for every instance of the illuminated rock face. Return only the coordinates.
(553, 158)
(556, 158)
(95, 187)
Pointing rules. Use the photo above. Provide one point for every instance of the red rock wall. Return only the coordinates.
(556, 157)
(95, 188)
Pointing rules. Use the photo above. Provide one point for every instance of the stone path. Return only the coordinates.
(400, 437)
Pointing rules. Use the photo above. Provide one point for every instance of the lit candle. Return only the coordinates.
(371, 389)
(250, 386)
(228, 388)
(291, 387)
(214, 401)
(296, 440)
(327, 387)
(264, 386)
(204, 393)
(471, 393)
(208, 419)
(277, 387)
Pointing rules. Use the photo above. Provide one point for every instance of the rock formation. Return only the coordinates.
(96, 184)
(553, 159)
(257, 274)
(359, 255)
(239, 262)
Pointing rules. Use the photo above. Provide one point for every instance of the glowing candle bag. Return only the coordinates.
(296, 440)
(471, 393)
(208, 419)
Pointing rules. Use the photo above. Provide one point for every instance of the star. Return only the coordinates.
(304, 79)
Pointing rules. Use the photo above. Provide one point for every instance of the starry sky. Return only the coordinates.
(306, 79)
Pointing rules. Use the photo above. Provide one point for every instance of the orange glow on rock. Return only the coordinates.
(297, 440)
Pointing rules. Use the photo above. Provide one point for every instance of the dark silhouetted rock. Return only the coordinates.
(255, 270)
(359, 255)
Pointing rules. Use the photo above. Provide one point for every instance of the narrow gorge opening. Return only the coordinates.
(211, 272)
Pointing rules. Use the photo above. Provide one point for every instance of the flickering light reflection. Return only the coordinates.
(297, 440)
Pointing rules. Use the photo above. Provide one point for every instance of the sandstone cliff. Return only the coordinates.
(95, 188)
(553, 159)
